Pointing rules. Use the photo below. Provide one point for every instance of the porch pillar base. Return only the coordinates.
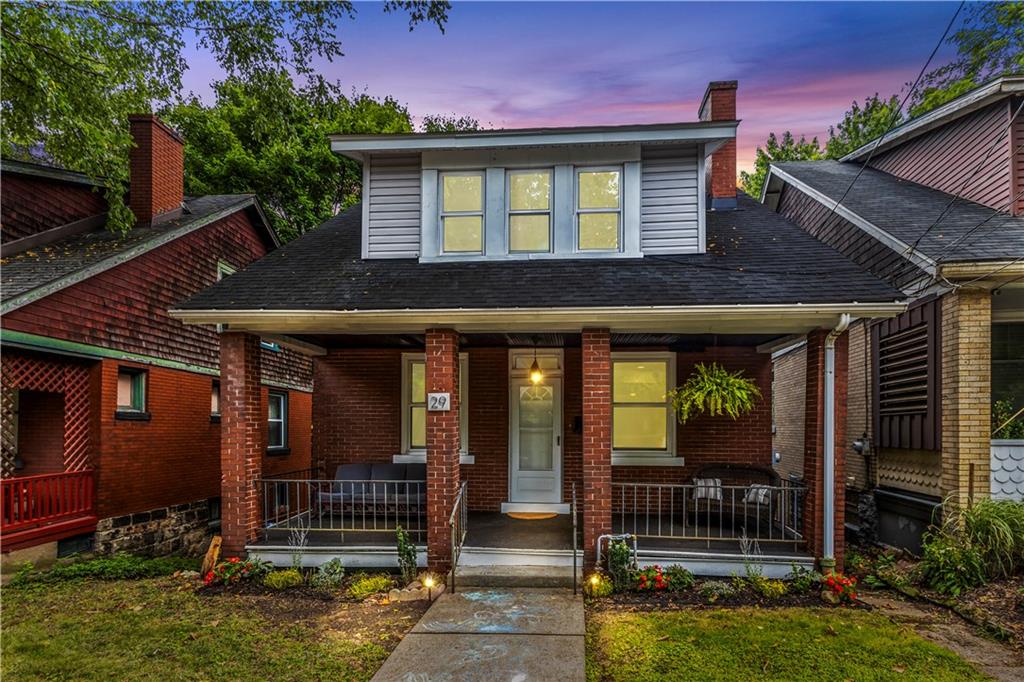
(243, 436)
(443, 476)
(597, 441)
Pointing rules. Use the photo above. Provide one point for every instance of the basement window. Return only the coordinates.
(131, 393)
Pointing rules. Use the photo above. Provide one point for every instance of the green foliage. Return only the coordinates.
(368, 585)
(996, 527)
(712, 591)
(713, 390)
(861, 125)
(72, 72)
(449, 123)
(620, 565)
(775, 151)
(1004, 425)
(950, 565)
(598, 585)
(803, 580)
(679, 578)
(406, 555)
(234, 570)
(282, 580)
(769, 589)
(117, 567)
(650, 579)
(329, 575)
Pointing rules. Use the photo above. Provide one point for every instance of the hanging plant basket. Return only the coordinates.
(713, 390)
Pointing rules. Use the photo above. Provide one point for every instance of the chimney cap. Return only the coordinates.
(714, 85)
(156, 120)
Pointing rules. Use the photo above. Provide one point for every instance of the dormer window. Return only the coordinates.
(462, 212)
(598, 209)
(529, 211)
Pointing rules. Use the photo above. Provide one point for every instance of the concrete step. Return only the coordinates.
(514, 576)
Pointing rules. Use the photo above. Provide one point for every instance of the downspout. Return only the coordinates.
(828, 532)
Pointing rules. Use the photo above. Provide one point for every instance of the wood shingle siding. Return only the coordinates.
(669, 201)
(392, 210)
(1018, 160)
(969, 157)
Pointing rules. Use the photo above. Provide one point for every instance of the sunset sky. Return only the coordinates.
(799, 65)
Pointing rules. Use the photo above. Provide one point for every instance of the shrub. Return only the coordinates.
(802, 580)
(328, 575)
(406, 555)
(367, 585)
(620, 564)
(713, 590)
(950, 564)
(281, 580)
(235, 570)
(769, 589)
(843, 588)
(598, 585)
(117, 567)
(651, 579)
(996, 528)
(679, 578)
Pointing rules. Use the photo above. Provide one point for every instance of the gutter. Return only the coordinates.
(828, 532)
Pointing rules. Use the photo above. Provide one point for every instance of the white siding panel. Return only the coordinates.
(669, 205)
(393, 211)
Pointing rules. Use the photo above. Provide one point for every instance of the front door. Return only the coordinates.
(536, 442)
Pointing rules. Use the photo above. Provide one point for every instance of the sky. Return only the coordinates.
(525, 64)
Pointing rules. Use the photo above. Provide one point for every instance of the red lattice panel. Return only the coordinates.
(32, 374)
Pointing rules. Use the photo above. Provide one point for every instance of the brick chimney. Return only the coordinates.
(157, 170)
(719, 104)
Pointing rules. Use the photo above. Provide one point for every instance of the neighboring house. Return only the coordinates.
(938, 211)
(111, 431)
(494, 332)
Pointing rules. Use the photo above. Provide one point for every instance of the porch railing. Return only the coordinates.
(767, 514)
(32, 501)
(458, 523)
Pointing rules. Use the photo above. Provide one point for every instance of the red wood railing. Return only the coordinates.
(32, 501)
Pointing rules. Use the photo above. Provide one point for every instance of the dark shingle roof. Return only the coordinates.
(907, 210)
(755, 256)
(52, 266)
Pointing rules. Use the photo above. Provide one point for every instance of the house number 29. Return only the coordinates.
(439, 402)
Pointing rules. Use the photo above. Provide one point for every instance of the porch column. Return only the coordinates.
(442, 376)
(243, 440)
(597, 440)
(814, 445)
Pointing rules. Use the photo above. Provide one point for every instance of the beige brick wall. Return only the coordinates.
(789, 379)
(966, 393)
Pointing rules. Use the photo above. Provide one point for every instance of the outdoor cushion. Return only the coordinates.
(415, 472)
(387, 472)
(707, 489)
(353, 472)
(758, 494)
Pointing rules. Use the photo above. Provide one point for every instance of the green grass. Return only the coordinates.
(160, 629)
(754, 644)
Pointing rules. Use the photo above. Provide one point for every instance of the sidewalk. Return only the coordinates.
(494, 635)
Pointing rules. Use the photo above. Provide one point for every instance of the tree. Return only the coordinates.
(448, 123)
(860, 125)
(990, 44)
(269, 137)
(71, 72)
(774, 151)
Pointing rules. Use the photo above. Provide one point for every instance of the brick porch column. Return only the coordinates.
(597, 440)
(442, 376)
(966, 395)
(243, 438)
(814, 444)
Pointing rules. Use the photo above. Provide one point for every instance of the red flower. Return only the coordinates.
(233, 560)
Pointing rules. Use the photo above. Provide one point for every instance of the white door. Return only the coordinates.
(536, 442)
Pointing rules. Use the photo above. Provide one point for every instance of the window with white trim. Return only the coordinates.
(642, 420)
(277, 420)
(414, 403)
(529, 211)
(462, 212)
(598, 209)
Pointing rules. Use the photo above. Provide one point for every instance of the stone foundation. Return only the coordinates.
(181, 530)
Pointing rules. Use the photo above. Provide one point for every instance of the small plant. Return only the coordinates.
(406, 555)
(329, 575)
(751, 552)
(117, 567)
(950, 564)
(620, 565)
(679, 578)
(368, 585)
(803, 580)
(714, 590)
(282, 580)
(856, 562)
(713, 390)
(297, 540)
(651, 579)
(235, 570)
(769, 589)
(842, 588)
(598, 585)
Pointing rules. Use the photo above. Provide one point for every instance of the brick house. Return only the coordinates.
(938, 211)
(110, 408)
(494, 333)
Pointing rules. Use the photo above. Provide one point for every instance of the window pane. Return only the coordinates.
(463, 193)
(275, 407)
(639, 382)
(599, 189)
(526, 361)
(124, 390)
(215, 399)
(139, 391)
(599, 231)
(418, 432)
(275, 437)
(536, 428)
(529, 233)
(639, 428)
(418, 376)
(529, 191)
(463, 233)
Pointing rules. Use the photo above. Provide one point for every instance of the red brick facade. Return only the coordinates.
(157, 168)
(597, 438)
(443, 479)
(30, 204)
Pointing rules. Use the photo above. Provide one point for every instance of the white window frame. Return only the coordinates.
(648, 457)
(577, 211)
(414, 455)
(283, 395)
(442, 214)
(224, 269)
(509, 211)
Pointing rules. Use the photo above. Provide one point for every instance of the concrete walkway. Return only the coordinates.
(499, 635)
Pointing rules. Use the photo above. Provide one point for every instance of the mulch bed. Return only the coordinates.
(1002, 603)
(690, 599)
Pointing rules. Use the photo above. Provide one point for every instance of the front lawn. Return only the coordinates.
(163, 628)
(769, 644)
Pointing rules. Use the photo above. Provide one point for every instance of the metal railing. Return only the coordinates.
(765, 513)
(30, 501)
(458, 522)
(575, 538)
(350, 506)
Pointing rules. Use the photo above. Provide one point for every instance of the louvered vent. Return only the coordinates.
(903, 372)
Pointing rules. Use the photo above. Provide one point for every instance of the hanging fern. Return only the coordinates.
(713, 390)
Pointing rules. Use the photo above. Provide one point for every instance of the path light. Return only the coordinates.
(428, 582)
(595, 579)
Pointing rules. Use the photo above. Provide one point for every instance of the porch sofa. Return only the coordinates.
(736, 496)
(376, 488)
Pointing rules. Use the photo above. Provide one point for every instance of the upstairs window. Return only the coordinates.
(529, 211)
(131, 390)
(598, 209)
(277, 421)
(462, 212)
